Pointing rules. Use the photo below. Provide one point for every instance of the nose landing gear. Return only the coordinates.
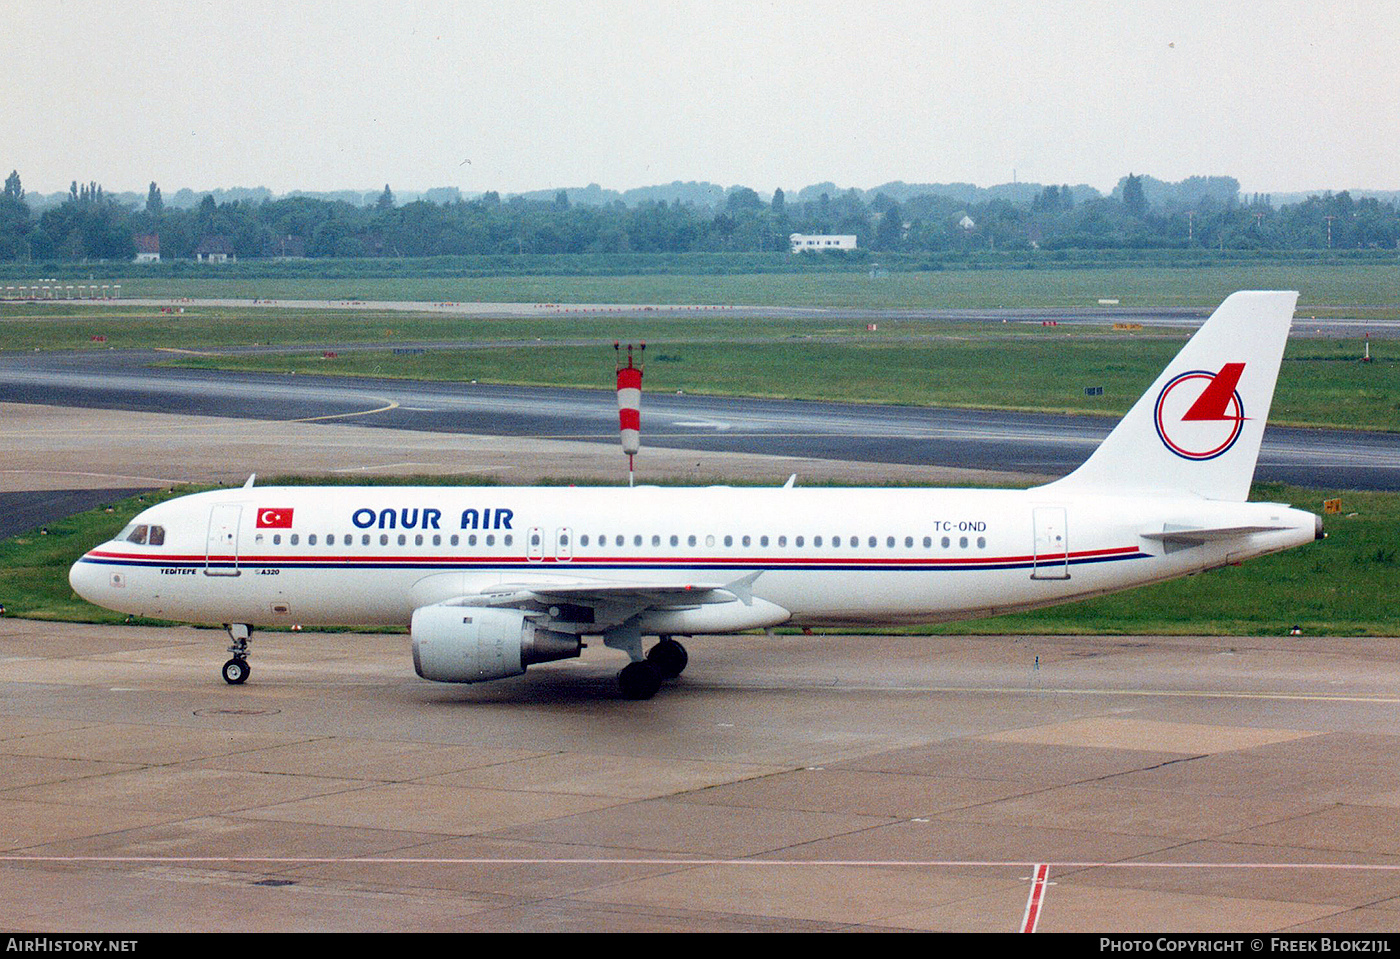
(236, 670)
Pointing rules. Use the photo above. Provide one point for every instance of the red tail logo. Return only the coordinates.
(1200, 414)
(1215, 402)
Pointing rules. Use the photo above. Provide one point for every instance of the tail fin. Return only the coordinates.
(1198, 429)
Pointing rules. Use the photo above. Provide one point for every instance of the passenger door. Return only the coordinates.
(221, 552)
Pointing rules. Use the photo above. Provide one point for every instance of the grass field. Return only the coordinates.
(72, 327)
(1346, 585)
(1322, 383)
(1357, 284)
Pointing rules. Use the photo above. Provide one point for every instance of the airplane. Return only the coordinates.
(491, 580)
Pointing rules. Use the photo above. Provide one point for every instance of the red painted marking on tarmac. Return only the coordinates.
(1036, 899)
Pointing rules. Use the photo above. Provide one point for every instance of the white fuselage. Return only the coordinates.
(372, 555)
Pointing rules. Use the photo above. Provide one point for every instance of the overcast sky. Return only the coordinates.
(517, 96)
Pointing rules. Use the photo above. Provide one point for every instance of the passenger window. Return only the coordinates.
(157, 537)
(509, 538)
(437, 539)
(258, 538)
(655, 540)
(945, 542)
(889, 541)
(471, 539)
(403, 539)
(364, 540)
(455, 539)
(138, 536)
(763, 541)
(636, 540)
(816, 541)
(583, 540)
(383, 539)
(729, 541)
(619, 540)
(690, 540)
(798, 541)
(490, 539)
(928, 541)
(675, 540)
(276, 539)
(747, 540)
(981, 542)
(962, 541)
(295, 538)
(873, 541)
(782, 540)
(710, 540)
(418, 540)
(835, 541)
(908, 541)
(311, 540)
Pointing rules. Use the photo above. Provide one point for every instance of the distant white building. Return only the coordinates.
(803, 241)
(147, 248)
(215, 249)
(967, 223)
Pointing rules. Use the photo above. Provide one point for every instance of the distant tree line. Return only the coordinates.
(1140, 214)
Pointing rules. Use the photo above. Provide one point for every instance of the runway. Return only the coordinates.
(1161, 784)
(1027, 443)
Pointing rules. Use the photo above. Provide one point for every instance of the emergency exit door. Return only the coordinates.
(1050, 559)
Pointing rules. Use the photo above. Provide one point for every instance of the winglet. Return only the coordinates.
(251, 477)
(791, 482)
(742, 588)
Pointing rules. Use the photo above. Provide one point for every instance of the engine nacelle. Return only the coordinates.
(471, 644)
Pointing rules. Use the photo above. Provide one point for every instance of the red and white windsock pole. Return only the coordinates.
(629, 402)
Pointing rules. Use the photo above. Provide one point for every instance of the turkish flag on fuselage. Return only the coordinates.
(274, 519)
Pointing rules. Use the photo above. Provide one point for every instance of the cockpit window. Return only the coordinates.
(157, 536)
(138, 535)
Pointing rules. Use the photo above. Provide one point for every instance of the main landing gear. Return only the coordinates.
(642, 678)
(236, 670)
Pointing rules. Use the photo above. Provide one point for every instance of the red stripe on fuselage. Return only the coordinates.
(517, 560)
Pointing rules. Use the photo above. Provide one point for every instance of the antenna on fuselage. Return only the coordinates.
(629, 402)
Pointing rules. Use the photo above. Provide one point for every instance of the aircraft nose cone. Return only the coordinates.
(83, 577)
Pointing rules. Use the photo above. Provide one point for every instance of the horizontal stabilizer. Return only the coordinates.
(1171, 533)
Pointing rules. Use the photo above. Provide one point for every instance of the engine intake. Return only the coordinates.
(472, 644)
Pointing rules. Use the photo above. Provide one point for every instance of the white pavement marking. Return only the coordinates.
(391, 466)
(389, 405)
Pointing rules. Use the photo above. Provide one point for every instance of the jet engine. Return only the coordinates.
(471, 644)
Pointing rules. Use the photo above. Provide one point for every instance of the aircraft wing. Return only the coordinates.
(610, 595)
